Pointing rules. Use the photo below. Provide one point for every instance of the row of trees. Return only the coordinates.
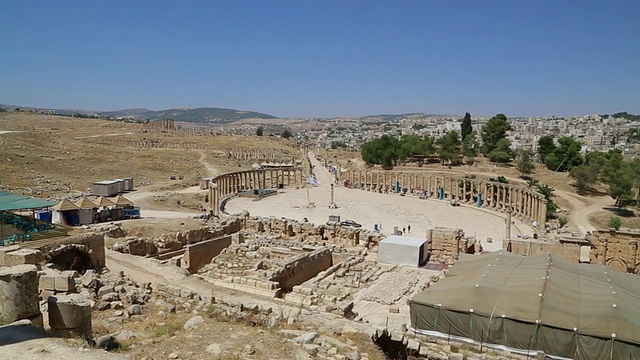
(451, 148)
(622, 177)
(285, 134)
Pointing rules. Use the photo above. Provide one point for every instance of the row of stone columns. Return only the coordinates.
(524, 202)
(235, 182)
(255, 154)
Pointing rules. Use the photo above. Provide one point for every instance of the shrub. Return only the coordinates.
(563, 221)
(615, 223)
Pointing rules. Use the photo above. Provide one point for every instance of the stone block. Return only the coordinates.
(46, 282)
(44, 294)
(71, 313)
(6, 249)
(105, 290)
(64, 283)
(19, 292)
(71, 273)
(23, 256)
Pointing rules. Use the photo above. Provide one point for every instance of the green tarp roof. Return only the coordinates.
(592, 299)
(10, 201)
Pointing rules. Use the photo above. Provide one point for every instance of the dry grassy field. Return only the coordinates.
(50, 155)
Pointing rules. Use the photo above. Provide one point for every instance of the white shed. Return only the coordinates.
(403, 250)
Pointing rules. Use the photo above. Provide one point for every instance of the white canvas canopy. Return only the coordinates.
(403, 250)
(64, 213)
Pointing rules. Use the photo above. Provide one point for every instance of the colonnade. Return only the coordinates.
(524, 202)
(241, 153)
(231, 183)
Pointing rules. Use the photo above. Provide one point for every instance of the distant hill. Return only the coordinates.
(387, 118)
(204, 115)
(193, 115)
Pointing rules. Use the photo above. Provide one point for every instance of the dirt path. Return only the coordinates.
(211, 171)
(582, 208)
(142, 197)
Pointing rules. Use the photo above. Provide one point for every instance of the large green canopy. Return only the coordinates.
(10, 201)
(541, 302)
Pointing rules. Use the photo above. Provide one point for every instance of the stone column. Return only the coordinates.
(542, 216)
(511, 201)
(19, 293)
(507, 230)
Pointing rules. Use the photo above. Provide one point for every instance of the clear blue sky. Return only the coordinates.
(324, 58)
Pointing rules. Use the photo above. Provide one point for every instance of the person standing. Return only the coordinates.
(409, 228)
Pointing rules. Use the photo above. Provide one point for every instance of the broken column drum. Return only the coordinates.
(70, 315)
(18, 293)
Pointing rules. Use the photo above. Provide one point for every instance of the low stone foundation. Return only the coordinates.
(199, 254)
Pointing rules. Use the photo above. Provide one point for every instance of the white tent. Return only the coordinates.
(65, 213)
(87, 211)
(403, 250)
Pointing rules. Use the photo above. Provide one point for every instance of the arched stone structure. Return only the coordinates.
(72, 257)
(230, 184)
(524, 203)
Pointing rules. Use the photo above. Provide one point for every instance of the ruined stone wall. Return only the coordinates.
(198, 255)
(302, 268)
(92, 244)
(330, 233)
(616, 249)
(445, 245)
(227, 227)
(566, 248)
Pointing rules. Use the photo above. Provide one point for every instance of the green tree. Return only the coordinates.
(449, 147)
(380, 151)
(547, 192)
(545, 147)
(635, 167)
(502, 152)
(565, 156)
(466, 128)
(286, 134)
(337, 144)
(260, 131)
(585, 176)
(412, 145)
(470, 146)
(621, 183)
(493, 131)
(524, 163)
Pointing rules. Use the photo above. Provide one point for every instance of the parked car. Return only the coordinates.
(350, 223)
